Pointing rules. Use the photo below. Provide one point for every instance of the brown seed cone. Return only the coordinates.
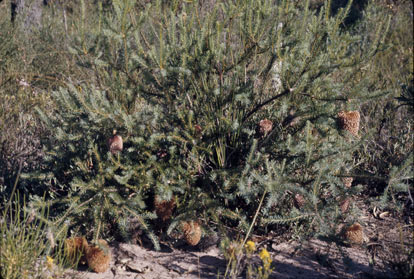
(265, 126)
(115, 143)
(349, 120)
(345, 205)
(355, 234)
(164, 208)
(348, 181)
(298, 201)
(75, 248)
(192, 232)
(99, 256)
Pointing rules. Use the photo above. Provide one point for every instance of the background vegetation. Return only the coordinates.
(189, 86)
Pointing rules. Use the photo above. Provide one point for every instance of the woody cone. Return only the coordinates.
(349, 121)
(192, 232)
(164, 208)
(354, 234)
(99, 256)
(115, 143)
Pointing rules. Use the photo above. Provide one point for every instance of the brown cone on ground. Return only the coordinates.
(355, 234)
(164, 208)
(115, 143)
(349, 121)
(75, 249)
(192, 232)
(98, 256)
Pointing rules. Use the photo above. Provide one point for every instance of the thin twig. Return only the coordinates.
(14, 190)
(254, 218)
(259, 106)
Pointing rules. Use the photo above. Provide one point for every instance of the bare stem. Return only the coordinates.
(254, 218)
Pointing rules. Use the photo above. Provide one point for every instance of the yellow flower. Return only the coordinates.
(264, 255)
(49, 262)
(250, 246)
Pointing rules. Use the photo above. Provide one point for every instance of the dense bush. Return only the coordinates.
(204, 97)
(226, 109)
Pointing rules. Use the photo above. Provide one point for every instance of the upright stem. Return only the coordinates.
(254, 218)
(13, 191)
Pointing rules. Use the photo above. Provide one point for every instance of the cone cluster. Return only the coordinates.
(96, 256)
(349, 121)
(192, 232)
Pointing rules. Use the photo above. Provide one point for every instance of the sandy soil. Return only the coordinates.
(387, 246)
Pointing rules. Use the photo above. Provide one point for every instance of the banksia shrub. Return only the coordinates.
(355, 234)
(190, 93)
(98, 256)
(192, 232)
(75, 249)
(349, 121)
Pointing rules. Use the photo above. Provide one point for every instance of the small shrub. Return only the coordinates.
(186, 85)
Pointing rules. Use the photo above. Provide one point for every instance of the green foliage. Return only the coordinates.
(400, 180)
(389, 121)
(186, 85)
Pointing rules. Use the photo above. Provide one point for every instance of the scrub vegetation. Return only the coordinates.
(198, 118)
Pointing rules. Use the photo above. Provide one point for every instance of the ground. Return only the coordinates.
(384, 254)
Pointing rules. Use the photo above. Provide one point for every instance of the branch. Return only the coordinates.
(259, 106)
